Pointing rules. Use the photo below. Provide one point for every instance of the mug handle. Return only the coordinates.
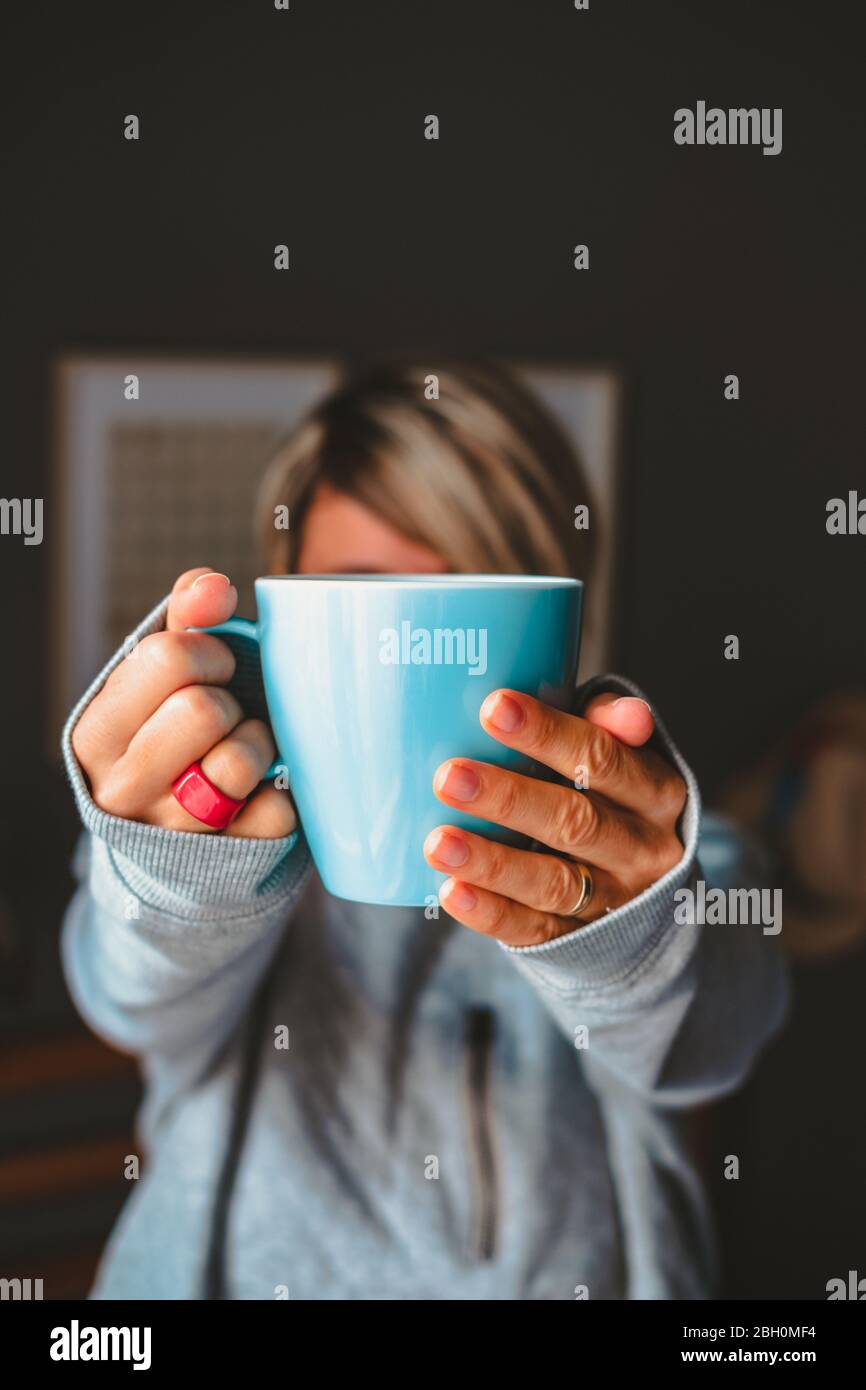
(247, 679)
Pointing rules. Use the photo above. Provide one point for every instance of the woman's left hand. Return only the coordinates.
(622, 827)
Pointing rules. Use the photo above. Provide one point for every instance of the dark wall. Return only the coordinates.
(306, 127)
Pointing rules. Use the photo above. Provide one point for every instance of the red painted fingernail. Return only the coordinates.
(502, 712)
(459, 895)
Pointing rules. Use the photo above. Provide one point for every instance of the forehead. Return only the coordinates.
(341, 534)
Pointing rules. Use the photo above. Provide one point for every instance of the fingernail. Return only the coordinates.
(631, 700)
(502, 712)
(459, 895)
(458, 781)
(214, 574)
(447, 847)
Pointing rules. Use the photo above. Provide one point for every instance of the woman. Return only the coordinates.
(347, 1101)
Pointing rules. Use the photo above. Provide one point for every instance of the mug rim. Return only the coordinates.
(427, 581)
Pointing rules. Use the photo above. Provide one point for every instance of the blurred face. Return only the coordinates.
(341, 536)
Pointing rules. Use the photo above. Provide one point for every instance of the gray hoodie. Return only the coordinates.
(352, 1102)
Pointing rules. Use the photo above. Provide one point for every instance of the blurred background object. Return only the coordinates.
(67, 1103)
(806, 799)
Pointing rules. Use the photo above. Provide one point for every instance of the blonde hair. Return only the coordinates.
(482, 474)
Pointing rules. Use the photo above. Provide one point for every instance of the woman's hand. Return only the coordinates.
(623, 827)
(165, 706)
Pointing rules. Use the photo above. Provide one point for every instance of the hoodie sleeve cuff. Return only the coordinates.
(615, 947)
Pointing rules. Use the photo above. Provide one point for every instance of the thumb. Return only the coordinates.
(626, 717)
(201, 598)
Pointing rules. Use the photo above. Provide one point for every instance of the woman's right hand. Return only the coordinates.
(165, 706)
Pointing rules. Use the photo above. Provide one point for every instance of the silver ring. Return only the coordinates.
(586, 889)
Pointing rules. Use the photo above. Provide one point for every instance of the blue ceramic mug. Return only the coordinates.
(372, 681)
